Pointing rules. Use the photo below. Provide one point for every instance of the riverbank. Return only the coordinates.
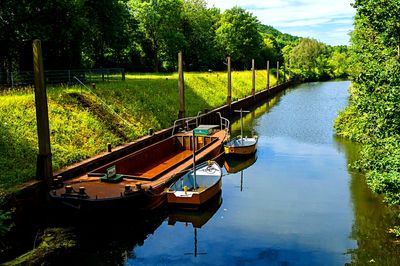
(81, 126)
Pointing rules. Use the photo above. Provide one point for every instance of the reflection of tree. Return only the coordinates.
(249, 119)
(372, 218)
(108, 238)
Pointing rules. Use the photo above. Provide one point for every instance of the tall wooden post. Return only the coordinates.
(181, 85)
(253, 78)
(44, 168)
(277, 73)
(268, 74)
(229, 98)
(284, 72)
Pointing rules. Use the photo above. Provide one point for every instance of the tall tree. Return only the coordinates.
(160, 21)
(199, 30)
(308, 59)
(238, 36)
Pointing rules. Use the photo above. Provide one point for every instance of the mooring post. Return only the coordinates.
(284, 73)
(268, 74)
(277, 73)
(229, 98)
(181, 85)
(253, 78)
(44, 168)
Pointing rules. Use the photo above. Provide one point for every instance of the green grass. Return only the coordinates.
(81, 127)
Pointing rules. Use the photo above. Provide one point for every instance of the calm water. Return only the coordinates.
(296, 203)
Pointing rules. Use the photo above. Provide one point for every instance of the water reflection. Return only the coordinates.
(233, 165)
(372, 218)
(298, 203)
(197, 218)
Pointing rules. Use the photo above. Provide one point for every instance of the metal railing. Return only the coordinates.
(26, 78)
(187, 122)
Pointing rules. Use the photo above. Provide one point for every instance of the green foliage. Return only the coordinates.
(53, 242)
(138, 35)
(5, 218)
(81, 127)
(312, 60)
(237, 35)
(373, 116)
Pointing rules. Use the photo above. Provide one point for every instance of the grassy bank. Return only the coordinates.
(81, 127)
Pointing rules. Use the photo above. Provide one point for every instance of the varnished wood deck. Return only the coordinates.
(160, 166)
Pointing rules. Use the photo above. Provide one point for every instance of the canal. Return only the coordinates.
(296, 202)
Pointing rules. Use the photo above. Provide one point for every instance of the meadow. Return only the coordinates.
(81, 126)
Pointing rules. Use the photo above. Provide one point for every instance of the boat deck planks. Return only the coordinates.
(160, 166)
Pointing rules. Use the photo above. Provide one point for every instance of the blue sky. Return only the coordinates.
(327, 21)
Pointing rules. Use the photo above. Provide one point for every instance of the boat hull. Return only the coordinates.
(241, 146)
(196, 199)
(134, 192)
(189, 190)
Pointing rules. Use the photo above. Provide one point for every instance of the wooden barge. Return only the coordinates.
(138, 181)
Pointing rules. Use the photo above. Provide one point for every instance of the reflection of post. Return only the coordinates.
(241, 180)
(181, 85)
(253, 78)
(195, 242)
(44, 168)
(229, 98)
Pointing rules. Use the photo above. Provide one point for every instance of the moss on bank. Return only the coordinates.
(53, 242)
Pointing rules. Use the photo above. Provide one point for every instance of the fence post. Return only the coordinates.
(69, 76)
(277, 73)
(181, 85)
(12, 80)
(229, 97)
(44, 167)
(268, 74)
(253, 78)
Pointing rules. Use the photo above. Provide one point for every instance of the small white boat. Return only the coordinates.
(196, 187)
(240, 145)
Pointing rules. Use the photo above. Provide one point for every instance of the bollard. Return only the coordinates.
(109, 147)
(94, 85)
(151, 132)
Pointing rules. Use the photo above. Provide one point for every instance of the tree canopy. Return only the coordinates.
(138, 35)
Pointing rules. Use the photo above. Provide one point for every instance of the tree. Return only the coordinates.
(238, 36)
(160, 22)
(199, 30)
(308, 59)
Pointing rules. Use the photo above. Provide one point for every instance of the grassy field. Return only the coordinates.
(81, 127)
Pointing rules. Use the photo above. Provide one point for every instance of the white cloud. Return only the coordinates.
(301, 15)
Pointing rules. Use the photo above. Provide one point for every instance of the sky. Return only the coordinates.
(328, 21)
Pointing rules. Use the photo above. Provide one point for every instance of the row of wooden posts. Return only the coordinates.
(44, 161)
(181, 82)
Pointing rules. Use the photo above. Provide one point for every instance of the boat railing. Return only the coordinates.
(224, 122)
(185, 120)
(188, 122)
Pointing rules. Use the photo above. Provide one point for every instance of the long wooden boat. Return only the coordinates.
(138, 180)
(197, 186)
(241, 146)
